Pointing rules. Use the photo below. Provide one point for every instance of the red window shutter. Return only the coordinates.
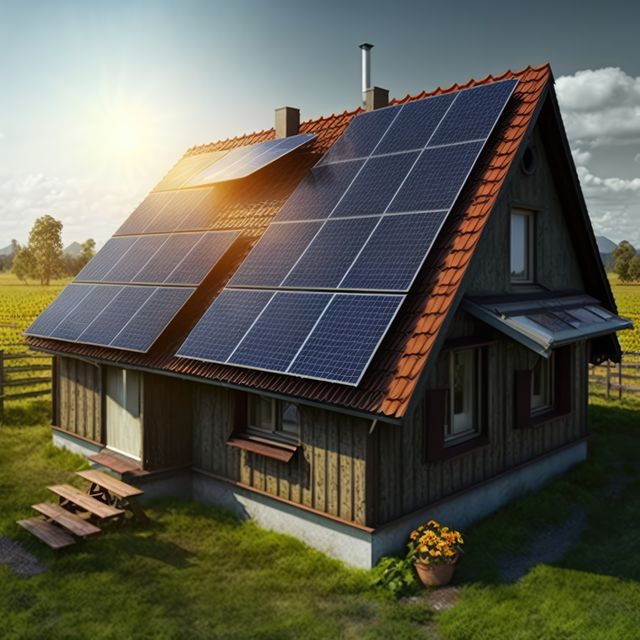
(563, 380)
(522, 399)
(435, 421)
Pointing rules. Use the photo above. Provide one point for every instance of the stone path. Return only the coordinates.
(21, 562)
(548, 547)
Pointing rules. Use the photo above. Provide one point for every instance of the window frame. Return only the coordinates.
(277, 410)
(548, 394)
(530, 244)
(451, 435)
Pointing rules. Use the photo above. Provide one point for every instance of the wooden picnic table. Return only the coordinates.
(73, 499)
(114, 492)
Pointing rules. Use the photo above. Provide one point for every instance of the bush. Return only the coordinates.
(397, 576)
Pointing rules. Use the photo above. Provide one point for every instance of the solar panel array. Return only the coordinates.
(124, 316)
(131, 290)
(320, 289)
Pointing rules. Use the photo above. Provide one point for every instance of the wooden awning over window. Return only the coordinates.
(542, 322)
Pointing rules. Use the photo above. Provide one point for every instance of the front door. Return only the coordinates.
(123, 409)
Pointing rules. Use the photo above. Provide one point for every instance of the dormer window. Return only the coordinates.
(522, 246)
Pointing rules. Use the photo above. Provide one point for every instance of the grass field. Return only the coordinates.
(199, 573)
(628, 301)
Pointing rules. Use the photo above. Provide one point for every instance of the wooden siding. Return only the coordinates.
(327, 473)
(79, 398)
(556, 262)
(166, 422)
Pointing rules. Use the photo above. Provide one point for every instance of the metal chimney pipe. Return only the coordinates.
(365, 47)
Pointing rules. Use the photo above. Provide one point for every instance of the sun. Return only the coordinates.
(124, 132)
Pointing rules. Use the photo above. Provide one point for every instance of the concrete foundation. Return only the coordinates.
(352, 545)
(76, 445)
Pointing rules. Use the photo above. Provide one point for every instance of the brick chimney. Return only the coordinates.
(287, 122)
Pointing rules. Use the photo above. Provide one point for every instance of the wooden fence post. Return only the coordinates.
(620, 379)
(608, 379)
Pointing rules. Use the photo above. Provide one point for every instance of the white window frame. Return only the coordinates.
(545, 400)
(471, 427)
(529, 276)
(276, 430)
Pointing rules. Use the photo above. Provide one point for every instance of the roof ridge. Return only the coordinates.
(471, 82)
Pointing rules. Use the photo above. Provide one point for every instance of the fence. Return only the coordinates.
(617, 378)
(17, 379)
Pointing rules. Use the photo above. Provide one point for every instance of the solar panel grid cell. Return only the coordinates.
(346, 337)
(58, 310)
(150, 320)
(135, 259)
(164, 261)
(113, 250)
(375, 186)
(329, 256)
(277, 335)
(275, 254)
(84, 313)
(224, 324)
(188, 167)
(144, 213)
(179, 208)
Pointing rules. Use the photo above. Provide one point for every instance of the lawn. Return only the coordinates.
(200, 573)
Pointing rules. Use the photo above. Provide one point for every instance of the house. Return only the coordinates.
(447, 376)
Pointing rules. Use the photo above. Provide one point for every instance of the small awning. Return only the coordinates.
(544, 322)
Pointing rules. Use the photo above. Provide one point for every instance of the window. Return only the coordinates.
(542, 385)
(464, 391)
(522, 246)
(271, 417)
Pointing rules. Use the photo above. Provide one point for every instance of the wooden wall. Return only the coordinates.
(327, 474)
(556, 262)
(167, 422)
(79, 398)
(403, 480)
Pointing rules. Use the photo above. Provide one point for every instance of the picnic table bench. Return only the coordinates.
(112, 491)
(60, 525)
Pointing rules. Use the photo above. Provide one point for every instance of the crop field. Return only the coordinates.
(628, 301)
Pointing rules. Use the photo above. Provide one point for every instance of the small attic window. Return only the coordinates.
(529, 161)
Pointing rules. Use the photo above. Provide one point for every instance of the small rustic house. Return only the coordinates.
(344, 326)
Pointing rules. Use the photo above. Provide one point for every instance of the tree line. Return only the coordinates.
(42, 259)
(627, 262)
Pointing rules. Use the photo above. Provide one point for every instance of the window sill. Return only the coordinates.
(281, 451)
(542, 418)
(448, 452)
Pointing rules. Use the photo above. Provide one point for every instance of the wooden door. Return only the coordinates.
(123, 409)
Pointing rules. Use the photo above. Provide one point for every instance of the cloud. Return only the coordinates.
(636, 158)
(580, 157)
(600, 106)
(86, 208)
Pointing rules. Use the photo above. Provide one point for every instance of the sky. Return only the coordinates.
(100, 99)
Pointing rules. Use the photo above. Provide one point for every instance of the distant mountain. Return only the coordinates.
(5, 251)
(606, 248)
(73, 250)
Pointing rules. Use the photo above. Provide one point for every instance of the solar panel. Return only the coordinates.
(362, 135)
(275, 254)
(394, 253)
(144, 213)
(342, 344)
(375, 185)
(224, 324)
(159, 267)
(84, 313)
(183, 205)
(58, 310)
(319, 192)
(201, 259)
(437, 178)
(110, 320)
(331, 253)
(105, 259)
(243, 161)
(188, 167)
(364, 219)
(274, 339)
(148, 322)
(135, 259)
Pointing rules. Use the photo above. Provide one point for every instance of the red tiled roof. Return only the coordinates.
(392, 376)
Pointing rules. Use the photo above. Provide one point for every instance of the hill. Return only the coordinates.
(606, 248)
(73, 250)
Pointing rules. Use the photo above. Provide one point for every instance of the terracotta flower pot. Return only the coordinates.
(436, 575)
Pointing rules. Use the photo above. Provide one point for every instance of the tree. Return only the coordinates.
(88, 250)
(45, 246)
(23, 265)
(634, 268)
(623, 254)
(73, 264)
